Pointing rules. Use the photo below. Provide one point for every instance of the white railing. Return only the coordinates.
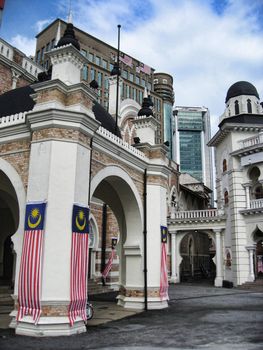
(256, 203)
(6, 50)
(252, 141)
(13, 119)
(198, 214)
(31, 67)
(118, 141)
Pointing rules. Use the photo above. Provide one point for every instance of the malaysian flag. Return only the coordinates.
(143, 68)
(125, 59)
(29, 283)
(109, 265)
(164, 274)
(79, 263)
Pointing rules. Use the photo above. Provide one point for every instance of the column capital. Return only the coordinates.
(251, 247)
(217, 230)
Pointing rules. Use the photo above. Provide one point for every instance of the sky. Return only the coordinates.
(206, 45)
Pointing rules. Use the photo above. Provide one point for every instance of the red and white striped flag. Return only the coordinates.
(79, 264)
(164, 274)
(29, 283)
(109, 265)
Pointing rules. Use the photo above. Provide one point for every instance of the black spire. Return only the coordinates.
(147, 105)
(69, 37)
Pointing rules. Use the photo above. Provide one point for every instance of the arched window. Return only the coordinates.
(259, 192)
(249, 106)
(236, 107)
(226, 197)
(224, 165)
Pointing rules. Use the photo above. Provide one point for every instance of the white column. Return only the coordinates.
(174, 278)
(247, 197)
(251, 275)
(219, 275)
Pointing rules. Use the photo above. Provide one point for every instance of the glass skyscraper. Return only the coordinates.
(192, 132)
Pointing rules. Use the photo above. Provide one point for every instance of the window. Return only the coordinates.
(137, 80)
(140, 97)
(125, 74)
(127, 91)
(143, 82)
(38, 56)
(84, 52)
(52, 45)
(249, 106)
(47, 47)
(106, 82)
(226, 197)
(259, 192)
(97, 61)
(42, 53)
(91, 57)
(134, 94)
(155, 81)
(104, 64)
(236, 107)
(92, 74)
(164, 81)
(111, 67)
(85, 73)
(224, 165)
(99, 78)
(131, 77)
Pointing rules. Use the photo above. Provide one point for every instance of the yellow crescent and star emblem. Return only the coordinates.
(34, 218)
(81, 220)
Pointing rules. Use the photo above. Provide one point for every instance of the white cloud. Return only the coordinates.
(25, 44)
(203, 51)
(41, 24)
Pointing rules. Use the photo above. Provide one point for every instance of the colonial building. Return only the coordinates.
(136, 76)
(63, 148)
(239, 181)
(16, 69)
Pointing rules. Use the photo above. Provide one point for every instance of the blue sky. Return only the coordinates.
(206, 45)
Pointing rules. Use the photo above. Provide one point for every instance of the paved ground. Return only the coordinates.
(199, 317)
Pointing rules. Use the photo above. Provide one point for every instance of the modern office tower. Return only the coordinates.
(136, 75)
(192, 133)
(163, 85)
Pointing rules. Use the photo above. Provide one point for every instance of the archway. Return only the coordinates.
(197, 252)
(9, 214)
(258, 237)
(113, 187)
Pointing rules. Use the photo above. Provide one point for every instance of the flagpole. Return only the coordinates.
(118, 73)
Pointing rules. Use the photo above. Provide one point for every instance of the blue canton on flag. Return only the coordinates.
(80, 219)
(35, 215)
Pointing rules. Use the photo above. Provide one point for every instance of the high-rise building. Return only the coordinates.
(191, 134)
(101, 57)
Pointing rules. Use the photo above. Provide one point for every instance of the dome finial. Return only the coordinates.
(70, 15)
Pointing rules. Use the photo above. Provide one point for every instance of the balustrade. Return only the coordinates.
(198, 214)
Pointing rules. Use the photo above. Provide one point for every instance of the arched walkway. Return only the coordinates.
(114, 187)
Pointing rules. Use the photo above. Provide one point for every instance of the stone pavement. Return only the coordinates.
(199, 317)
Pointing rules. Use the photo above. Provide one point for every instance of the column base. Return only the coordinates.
(174, 279)
(251, 278)
(139, 304)
(47, 326)
(218, 282)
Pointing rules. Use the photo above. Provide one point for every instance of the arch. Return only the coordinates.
(113, 186)
(224, 165)
(129, 108)
(236, 107)
(226, 198)
(17, 238)
(249, 106)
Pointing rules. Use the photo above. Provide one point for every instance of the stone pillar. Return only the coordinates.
(247, 197)
(251, 275)
(15, 77)
(174, 277)
(113, 94)
(219, 274)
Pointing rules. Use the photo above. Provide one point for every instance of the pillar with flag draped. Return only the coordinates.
(79, 263)
(30, 275)
(164, 274)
